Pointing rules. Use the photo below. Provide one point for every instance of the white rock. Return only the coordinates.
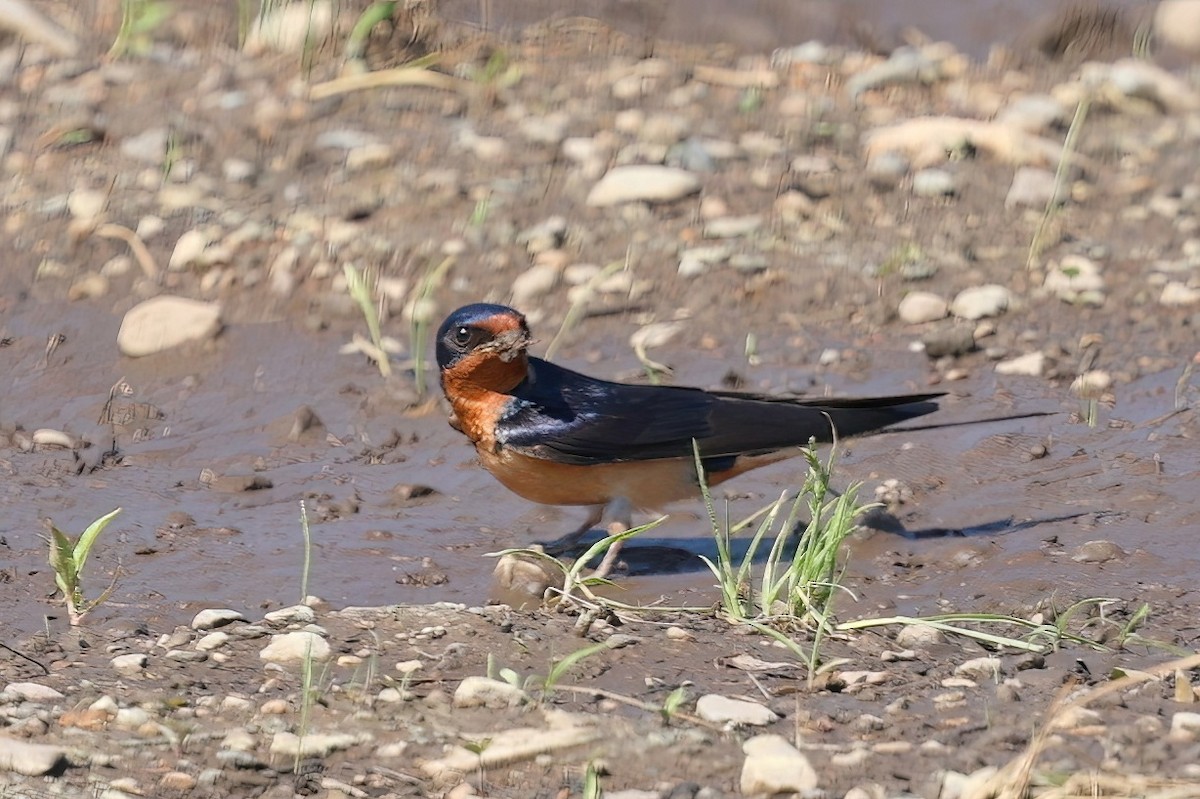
(33, 691)
(476, 691)
(537, 281)
(130, 718)
(1032, 113)
(1030, 364)
(723, 710)
(645, 183)
(290, 28)
(729, 227)
(295, 646)
(212, 641)
(163, 322)
(1032, 187)
(1177, 293)
(32, 760)
(188, 249)
(1075, 279)
(934, 183)
(1186, 722)
(296, 614)
(148, 147)
(130, 663)
(918, 307)
(1177, 24)
(775, 766)
(212, 618)
(86, 204)
(287, 744)
(978, 302)
(917, 636)
(981, 668)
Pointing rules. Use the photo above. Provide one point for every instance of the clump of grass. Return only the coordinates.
(361, 292)
(798, 587)
(422, 317)
(67, 558)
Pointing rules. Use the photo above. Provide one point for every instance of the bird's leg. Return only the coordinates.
(560, 545)
(620, 515)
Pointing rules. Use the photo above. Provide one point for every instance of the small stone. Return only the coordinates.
(1074, 279)
(982, 668)
(238, 170)
(774, 766)
(535, 282)
(1031, 364)
(724, 710)
(953, 341)
(32, 760)
(1032, 187)
(212, 641)
(1186, 722)
(86, 204)
(476, 691)
(163, 322)
(176, 782)
(1177, 24)
(33, 692)
(934, 183)
(644, 183)
(188, 249)
(298, 645)
(89, 287)
(212, 618)
(287, 744)
(979, 302)
(290, 27)
(1177, 293)
(148, 147)
(295, 614)
(919, 307)
(730, 227)
(1098, 552)
(130, 663)
(918, 636)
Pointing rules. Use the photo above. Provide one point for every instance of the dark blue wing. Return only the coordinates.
(568, 417)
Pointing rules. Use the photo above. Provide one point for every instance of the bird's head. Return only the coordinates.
(484, 344)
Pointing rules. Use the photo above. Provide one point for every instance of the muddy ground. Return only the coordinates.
(184, 137)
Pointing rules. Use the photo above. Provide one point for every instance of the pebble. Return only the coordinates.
(1075, 279)
(1033, 113)
(731, 227)
(1098, 552)
(33, 692)
(30, 759)
(476, 691)
(130, 663)
(739, 712)
(954, 340)
(163, 322)
(148, 147)
(774, 766)
(918, 307)
(91, 286)
(934, 183)
(1031, 364)
(298, 645)
(295, 614)
(979, 302)
(1185, 723)
(918, 636)
(313, 744)
(212, 618)
(1177, 293)
(188, 249)
(645, 183)
(1177, 24)
(1032, 187)
(289, 27)
(981, 668)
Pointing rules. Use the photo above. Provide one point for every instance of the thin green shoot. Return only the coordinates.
(359, 290)
(139, 19)
(374, 14)
(674, 701)
(1060, 179)
(559, 668)
(67, 559)
(422, 318)
(591, 782)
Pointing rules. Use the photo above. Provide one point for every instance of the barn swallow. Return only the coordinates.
(559, 437)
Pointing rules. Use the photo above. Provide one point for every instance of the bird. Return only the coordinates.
(559, 437)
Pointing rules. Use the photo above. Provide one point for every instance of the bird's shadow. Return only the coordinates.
(650, 556)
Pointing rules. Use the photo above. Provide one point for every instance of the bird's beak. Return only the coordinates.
(510, 344)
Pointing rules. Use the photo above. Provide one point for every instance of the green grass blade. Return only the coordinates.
(83, 546)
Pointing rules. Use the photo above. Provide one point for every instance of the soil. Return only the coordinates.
(210, 448)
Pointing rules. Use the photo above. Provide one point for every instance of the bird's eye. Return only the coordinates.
(463, 336)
